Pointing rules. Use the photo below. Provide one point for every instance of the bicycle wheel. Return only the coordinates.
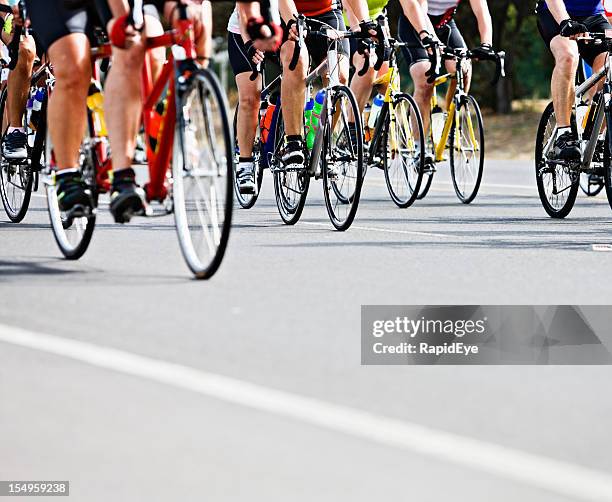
(342, 159)
(467, 149)
(557, 184)
(405, 157)
(202, 173)
(16, 179)
(72, 234)
(247, 201)
(290, 187)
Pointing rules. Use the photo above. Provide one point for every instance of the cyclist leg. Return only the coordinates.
(249, 94)
(63, 33)
(418, 62)
(293, 95)
(15, 140)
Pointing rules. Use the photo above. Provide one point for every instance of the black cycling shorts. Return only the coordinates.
(237, 52)
(51, 20)
(318, 47)
(549, 29)
(414, 52)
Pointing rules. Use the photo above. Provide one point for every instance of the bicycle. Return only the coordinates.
(190, 162)
(557, 180)
(462, 132)
(336, 157)
(19, 178)
(395, 141)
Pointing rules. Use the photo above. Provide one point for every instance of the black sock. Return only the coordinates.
(120, 175)
(246, 159)
(293, 137)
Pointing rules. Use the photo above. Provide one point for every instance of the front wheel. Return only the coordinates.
(72, 234)
(16, 179)
(557, 184)
(467, 149)
(405, 156)
(203, 173)
(342, 159)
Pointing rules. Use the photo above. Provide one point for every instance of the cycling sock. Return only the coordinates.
(245, 159)
(123, 175)
(60, 173)
(11, 129)
(562, 130)
(293, 137)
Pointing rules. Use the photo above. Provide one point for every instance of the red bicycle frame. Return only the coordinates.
(159, 156)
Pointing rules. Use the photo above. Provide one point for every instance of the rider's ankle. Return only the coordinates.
(245, 160)
(290, 138)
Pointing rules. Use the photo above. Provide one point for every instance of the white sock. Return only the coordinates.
(561, 130)
(11, 129)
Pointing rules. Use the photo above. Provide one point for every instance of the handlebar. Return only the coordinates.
(499, 58)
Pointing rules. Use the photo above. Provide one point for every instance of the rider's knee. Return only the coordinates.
(302, 63)
(27, 52)
(75, 77)
(418, 72)
(566, 57)
(249, 99)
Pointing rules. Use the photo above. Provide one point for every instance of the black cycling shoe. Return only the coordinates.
(125, 199)
(14, 146)
(565, 148)
(292, 156)
(73, 195)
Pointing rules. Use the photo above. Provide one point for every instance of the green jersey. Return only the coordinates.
(375, 8)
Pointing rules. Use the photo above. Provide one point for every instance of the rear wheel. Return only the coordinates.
(290, 187)
(72, 234)
(16, 179)
(404, 160)
(557, 184)
(202, 173)
(342, 159)
(467, 150)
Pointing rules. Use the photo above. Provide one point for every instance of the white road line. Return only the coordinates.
(384, 230)
(563, 478)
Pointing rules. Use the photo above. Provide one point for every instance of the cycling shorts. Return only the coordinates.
(549, 29)
(237, 52)
(318, 47)
(51, 20)
(414, 52)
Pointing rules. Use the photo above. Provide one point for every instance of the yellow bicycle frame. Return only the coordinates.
(452, 116)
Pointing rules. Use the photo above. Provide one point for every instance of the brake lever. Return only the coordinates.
(380, 46)
(255, 72)
(500, 67)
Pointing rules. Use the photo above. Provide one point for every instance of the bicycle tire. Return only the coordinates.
(14, 178)
(464, 193)
(72, 236)
(546, 126)
(290, 195)
(330, 156)
(211, 181)
(403, 176)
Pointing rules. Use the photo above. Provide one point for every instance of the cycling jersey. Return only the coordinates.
(578, 7)
(440, 7)
(376, 7)
(311, 8)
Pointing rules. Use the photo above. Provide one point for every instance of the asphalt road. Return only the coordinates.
(265, 398)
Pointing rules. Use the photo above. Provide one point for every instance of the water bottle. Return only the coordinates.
(265, 124)
(37, 102)
(438, 118)
(95, 102)
(377, 104)
(308, 116)
(582, 110)
(317, 108)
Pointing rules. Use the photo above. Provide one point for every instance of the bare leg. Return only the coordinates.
(67, 118)
(423, 90)
(123, 104)
(293, 90)
(154, 28)
(248, 112)
(565, 52)
(19, 82)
